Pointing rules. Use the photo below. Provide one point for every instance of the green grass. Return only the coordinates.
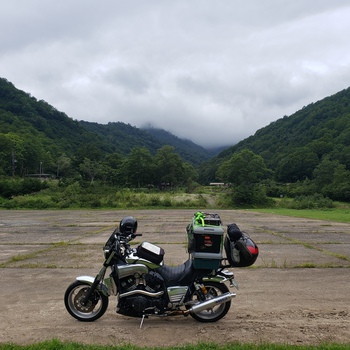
(58, 345)
(337, 214)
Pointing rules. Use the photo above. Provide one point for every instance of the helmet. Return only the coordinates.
(128, 225)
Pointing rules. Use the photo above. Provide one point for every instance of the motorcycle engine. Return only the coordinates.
(138, 304)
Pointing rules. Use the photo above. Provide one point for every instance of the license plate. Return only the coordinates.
(234, 283)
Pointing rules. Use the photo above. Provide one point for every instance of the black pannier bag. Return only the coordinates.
(150, 252)
(241, 251)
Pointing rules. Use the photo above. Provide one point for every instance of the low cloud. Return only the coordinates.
(213, 72)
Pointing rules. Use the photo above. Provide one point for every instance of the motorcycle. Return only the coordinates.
(145, 286)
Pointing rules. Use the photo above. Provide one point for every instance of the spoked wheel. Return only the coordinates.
(92, 310)
(217, 312)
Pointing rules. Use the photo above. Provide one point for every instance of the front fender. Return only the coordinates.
(90, 280)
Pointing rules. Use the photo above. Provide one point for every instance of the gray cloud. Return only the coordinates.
(210, 71)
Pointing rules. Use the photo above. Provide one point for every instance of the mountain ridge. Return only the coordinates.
(314, 132)
(67, 135)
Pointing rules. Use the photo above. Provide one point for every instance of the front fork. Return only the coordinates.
(96, 281)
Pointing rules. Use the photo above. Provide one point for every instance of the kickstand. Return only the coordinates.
(143, 318)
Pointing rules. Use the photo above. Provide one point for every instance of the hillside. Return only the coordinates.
(123, 137)
(294, 146)
(38, 131)
(186, 148)
(22, 114)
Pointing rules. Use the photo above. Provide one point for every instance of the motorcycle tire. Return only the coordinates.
(94, 308)
(217, 312)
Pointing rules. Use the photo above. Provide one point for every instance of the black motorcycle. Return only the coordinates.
(145, 286)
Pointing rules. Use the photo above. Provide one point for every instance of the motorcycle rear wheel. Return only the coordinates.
(217, 312)
(94, 308)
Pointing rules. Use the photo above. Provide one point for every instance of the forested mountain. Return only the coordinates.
(33, 132)
(123, 136)
(186, 148)
(305, 153)
(296, 146)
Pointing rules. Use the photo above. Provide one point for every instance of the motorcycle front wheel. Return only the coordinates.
(217, 312)
(92, 310)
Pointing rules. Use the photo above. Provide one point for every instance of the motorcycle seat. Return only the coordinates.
(176, 275)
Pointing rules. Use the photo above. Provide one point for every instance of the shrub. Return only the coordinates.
(15, 187)
(29, 202)
(153, 201)
(251, 196)
(316, 201)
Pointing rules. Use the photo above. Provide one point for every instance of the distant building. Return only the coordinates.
(42, 177)
(219, 184)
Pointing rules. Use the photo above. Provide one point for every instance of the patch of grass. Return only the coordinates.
(307, 246)
(58, 345)
(335, 255)
(285, 263)
(320, 266)
(273, 263)
(309, 265)
(337, 215)
(306, 265)
(60, 244)
(37, 266)
(23, 257)
(105, 198)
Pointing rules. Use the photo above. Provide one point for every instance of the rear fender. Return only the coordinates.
(222, 277)
(217, 279)
(90, 280)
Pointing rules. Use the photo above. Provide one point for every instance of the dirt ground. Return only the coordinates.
(281, 300)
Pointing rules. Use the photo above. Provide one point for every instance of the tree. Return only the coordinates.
(190, 174)
(63, 164)
(114, 169)
(244, 168)
(245, 171)
(90, 168)
(138, 167)
(324, 172)
(339, 189)
(297, 165)
(12, 153)
(7, 156)
(168, 166)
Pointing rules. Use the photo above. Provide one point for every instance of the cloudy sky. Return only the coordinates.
(213, 71)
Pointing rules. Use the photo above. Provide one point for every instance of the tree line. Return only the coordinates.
(305, 154)
(139, 169)
(254, 183)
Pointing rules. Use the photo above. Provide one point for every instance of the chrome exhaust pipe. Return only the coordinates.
(224, 298)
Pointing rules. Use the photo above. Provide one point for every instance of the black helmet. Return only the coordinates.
(128, 226)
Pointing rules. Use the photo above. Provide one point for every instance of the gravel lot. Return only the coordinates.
(280, 301)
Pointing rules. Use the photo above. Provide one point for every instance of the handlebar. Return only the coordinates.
(119, 243)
